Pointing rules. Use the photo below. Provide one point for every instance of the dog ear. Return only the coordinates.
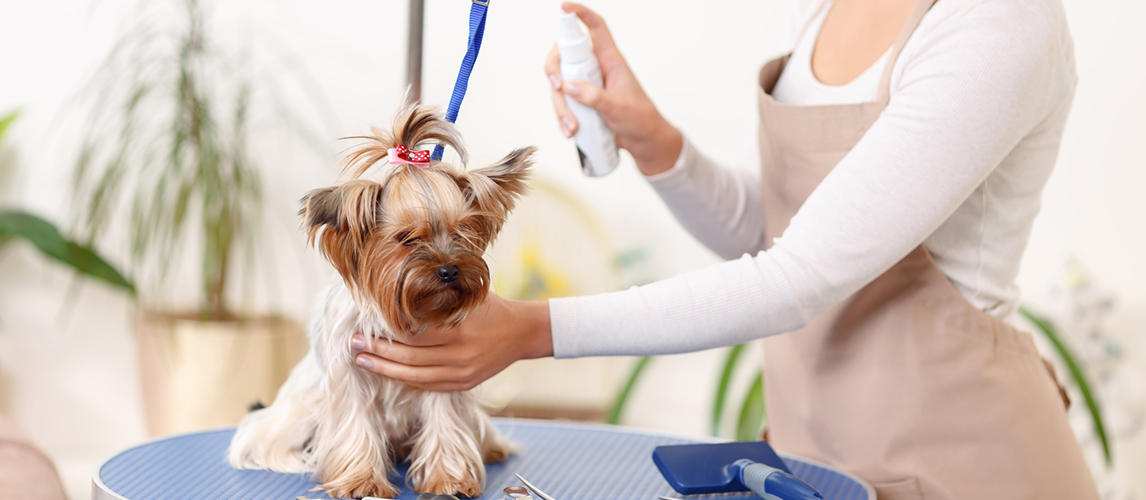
(495, 189)
(320, 208)
(349, 209)
(338, 220)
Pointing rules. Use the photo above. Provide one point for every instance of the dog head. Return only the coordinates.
(409, 245)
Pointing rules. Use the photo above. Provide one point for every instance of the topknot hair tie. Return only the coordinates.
(399, 155)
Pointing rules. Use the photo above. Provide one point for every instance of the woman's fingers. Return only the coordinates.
(590, 95)
(553, 68)
(431, 378)
(603, 45)
(565, 118)
(412, 355)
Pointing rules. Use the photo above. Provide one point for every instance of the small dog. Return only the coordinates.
(408, 251)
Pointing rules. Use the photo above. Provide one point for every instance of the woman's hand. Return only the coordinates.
(622, 104)
(494, 335)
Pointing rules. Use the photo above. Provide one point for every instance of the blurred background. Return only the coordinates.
(153, 279)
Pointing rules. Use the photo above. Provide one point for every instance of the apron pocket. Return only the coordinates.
(904, 489)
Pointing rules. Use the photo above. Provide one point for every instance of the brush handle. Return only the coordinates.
(774, 484)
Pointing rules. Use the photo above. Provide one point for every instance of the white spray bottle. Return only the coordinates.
(596, 144)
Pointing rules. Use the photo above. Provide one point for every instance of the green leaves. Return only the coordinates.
(48, 240)
(750, 417)
(1074, 366)
(614, 416)
(722, 386)
(5, 121)
(753, 413)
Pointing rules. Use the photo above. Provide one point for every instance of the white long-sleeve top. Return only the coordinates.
(957, 160)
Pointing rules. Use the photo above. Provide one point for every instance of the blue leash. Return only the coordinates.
(477, 29)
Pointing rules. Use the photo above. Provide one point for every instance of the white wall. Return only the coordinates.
(69, 377)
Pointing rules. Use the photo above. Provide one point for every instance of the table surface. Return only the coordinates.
(567, 461)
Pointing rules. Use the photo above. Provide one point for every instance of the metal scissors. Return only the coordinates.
(534, 489)
(544, 496)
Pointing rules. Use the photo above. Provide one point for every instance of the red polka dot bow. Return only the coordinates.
(399, 155)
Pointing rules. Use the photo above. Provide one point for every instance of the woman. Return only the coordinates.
(904, 146)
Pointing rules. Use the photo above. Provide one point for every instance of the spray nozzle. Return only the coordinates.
(572, 42)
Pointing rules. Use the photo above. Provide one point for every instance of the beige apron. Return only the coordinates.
(905, 383)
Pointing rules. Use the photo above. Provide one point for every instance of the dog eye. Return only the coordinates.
(405, 240)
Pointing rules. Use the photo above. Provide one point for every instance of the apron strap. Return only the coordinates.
(921, 8)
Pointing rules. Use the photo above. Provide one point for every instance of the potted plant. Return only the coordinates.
(165, 170)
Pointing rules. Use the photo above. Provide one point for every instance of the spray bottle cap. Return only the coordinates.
(573, 43)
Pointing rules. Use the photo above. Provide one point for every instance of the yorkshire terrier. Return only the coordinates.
(408, 250)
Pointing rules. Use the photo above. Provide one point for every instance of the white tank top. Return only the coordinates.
(798, 85)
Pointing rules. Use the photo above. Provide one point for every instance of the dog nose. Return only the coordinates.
(448, 274)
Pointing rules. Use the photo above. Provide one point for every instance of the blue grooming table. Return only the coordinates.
(567, 461)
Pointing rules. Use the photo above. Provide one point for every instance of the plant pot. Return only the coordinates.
(198, 374)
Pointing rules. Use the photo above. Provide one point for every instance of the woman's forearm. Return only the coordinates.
(719, 206)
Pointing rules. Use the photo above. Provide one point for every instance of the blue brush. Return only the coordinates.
(695, 469)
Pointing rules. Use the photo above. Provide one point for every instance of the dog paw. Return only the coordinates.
(494, 447)
(361, 488)
(496, 452)
(439, 482)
